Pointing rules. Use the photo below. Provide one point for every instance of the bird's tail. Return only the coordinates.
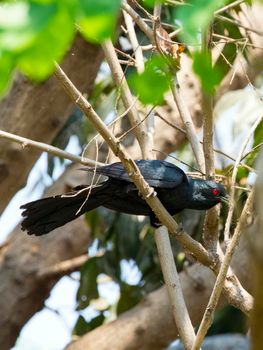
(44, 215)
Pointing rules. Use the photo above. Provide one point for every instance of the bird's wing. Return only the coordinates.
(156, 172)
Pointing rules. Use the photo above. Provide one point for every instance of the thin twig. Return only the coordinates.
(239, 24)
(189, 126)
(131, 168)
(26, 143)
(252, 150)
(63, 267)
(158, 112)
(165, 254)
(127, 98)
(179, 160)
(222, 275)
(197, 250)
(233, 178)
(129, 57)
(142, 8)
(228, 7)
(138, 20)
(134, 42)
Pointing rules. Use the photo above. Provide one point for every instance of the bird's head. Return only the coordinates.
(207, 194)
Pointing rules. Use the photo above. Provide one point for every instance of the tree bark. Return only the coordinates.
(38, 112)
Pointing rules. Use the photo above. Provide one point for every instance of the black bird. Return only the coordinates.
(175, 190)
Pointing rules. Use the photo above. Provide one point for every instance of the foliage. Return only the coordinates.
(202, 66)
(30, 32)
(154, 76)
(195, 18)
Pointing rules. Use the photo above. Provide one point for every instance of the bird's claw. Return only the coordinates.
(152, 193)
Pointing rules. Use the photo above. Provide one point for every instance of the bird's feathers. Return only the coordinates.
(174, 189)
(157, 173)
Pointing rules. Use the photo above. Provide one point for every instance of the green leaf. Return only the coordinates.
(93, 220)
(21, 22)
(129, 297)
(109, 264)
(6, 70)
(208, 75)
(152, 84)
(195, 16)
(151, 3)
(258, 135)
(97, 18)
(241, 174)
(229, 52)
(82, 326)
(88, 288)
(38, 61)
(127, 228)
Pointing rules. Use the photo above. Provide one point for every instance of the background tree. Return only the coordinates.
(176, 88)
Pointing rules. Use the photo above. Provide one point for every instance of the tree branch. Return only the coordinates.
(189, 126)
(234, 295)
(127, 98)
(27, 143)
(150, 324)
(132, 170)
(233, 178)
(222, 275)
(172, 281)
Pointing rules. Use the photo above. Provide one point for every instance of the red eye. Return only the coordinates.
(215, 191)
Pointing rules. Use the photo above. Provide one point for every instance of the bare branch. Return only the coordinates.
(239, 24)
(170, 274)
(196, 248)
(134, 42)
(65, 267)
(210, 309)
(233, 179)
(127, 98)
(210, 232)
(139, 21)
(27, 143)
(228, 7)
(172, 281)
(233, 294)
(189, 126)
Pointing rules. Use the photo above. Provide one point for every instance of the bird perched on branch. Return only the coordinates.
(175, 190)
